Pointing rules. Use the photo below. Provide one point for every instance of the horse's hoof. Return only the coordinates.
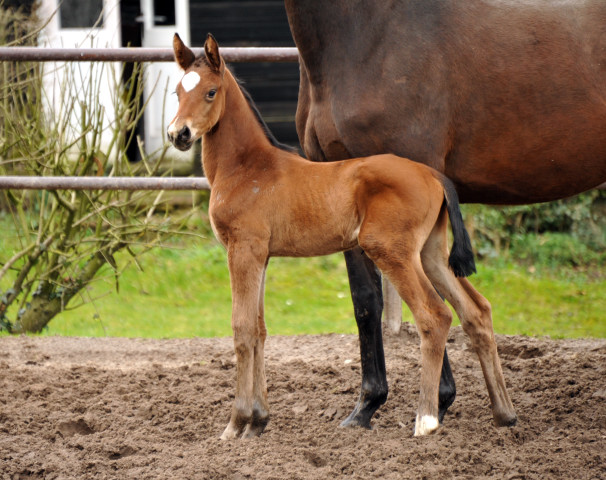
(446, 400)
(355, 424)
(249, 433)
(506, 420)
(426, 425)
(254, 429)
(355, 419)
(229, 433)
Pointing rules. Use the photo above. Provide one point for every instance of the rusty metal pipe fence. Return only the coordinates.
(128, 55)
(139, 54)
(103, 183)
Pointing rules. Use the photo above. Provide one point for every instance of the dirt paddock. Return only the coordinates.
(153, 409)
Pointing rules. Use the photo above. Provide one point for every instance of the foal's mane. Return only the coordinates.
(270, 136)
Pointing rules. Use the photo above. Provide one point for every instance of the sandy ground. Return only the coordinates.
(131, 408)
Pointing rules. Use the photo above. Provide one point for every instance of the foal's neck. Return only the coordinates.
(237, 139)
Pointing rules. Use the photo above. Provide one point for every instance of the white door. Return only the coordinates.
(85, 24)
(161, 19)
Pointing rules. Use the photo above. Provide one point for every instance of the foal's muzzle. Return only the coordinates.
(181, 139)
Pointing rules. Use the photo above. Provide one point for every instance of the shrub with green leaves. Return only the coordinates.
(566, 232)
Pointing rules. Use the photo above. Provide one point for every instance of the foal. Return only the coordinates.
(266, 201)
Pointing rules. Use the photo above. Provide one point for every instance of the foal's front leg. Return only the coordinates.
(260, 406)
(250, 411)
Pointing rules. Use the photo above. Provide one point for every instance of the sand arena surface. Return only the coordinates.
(149, 409)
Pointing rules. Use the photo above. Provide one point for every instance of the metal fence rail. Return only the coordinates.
(138, 54)
(41, 54)
(113, 183)
(103, 183)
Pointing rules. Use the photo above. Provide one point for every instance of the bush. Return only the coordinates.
(62, 239)
(566, 232)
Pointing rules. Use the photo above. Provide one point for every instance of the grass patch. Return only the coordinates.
(529, 301)
(183, 291)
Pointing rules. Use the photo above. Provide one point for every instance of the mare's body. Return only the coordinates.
(266, 202)
(507, 98)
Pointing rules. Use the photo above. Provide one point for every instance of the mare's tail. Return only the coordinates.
(461, 259)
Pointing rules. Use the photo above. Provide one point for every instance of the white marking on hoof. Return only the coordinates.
(425, 425)
(189, 81)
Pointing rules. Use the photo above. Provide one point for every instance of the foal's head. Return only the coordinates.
(201, 93)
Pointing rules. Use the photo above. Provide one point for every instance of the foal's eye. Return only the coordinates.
(211, 94)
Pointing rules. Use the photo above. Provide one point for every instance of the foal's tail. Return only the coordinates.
(461, 259)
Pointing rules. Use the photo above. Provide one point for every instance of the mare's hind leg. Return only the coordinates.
(474, 311)
(249, 414)
(365, 285)
(448, 390)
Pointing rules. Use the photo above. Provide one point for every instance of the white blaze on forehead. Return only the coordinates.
(190, 80)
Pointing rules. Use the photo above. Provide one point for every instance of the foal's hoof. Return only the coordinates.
(229, 433)
(426, 425)
(506, 420)
(251, 430)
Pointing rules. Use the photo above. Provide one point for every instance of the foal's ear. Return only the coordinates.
(211, 48)
(183, 55)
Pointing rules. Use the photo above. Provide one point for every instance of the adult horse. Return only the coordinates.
(506, 97)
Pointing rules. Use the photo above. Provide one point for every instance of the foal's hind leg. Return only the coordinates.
(478, 325)
(250, 411)
(433, 319)
(400, 261)
(474, 311)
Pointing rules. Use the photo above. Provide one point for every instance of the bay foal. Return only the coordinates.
(266, 201)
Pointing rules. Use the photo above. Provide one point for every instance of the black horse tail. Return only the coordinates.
(461, 259)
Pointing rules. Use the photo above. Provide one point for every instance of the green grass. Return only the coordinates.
(183, 291)
(544, 302)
